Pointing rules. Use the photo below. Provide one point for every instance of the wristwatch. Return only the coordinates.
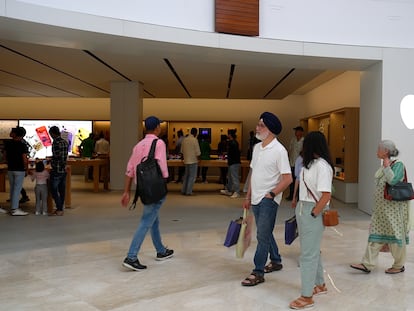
(313, 214)
(272, 194)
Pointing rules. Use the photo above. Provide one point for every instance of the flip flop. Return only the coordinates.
(361, 267)
(395, 271)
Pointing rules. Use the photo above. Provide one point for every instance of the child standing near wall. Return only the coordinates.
(41, 175)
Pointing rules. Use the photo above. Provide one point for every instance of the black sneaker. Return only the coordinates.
(24, 200)
(167, 254)
(133, 264)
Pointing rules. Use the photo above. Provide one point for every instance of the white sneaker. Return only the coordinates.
(18, 212)
(235, 195)
(37, 213)
(45, 213)
(225, 192)
(2, 210)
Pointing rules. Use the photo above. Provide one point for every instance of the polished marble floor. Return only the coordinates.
(74, 262)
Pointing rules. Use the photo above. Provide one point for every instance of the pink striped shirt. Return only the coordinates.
(142, 149)
(40, 177)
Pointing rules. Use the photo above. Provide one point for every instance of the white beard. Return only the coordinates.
(262, 137)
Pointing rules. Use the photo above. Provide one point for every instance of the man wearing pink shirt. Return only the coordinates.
(149, 219)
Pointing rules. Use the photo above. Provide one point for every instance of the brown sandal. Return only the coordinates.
(301, 303)
(320, 290)
(272, 266)
(253, 279)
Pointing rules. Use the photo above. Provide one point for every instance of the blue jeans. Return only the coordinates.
(233, 184)
(310, 237)
(149, 220)
(16, 179)
(58, 188)
(189, 178)
(265, 214)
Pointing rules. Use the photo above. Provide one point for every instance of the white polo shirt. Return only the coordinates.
(268, 164)
(318, 179)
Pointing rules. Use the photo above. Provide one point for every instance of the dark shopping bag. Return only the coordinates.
(291, 230)
(233, 232)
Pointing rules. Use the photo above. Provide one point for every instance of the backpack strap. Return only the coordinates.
(152, 150)
(150, 155)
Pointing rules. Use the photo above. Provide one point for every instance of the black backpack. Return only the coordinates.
(151, 186)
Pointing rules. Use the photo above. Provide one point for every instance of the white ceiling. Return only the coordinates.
(44, 61)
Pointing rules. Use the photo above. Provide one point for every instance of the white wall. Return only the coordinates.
(398, 69)
(343, 91)
(370, 124)
(353, 22)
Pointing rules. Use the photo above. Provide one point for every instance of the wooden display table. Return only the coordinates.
(97, 165)
(245, 165)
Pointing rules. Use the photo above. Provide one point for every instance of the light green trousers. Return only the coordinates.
(310, 236)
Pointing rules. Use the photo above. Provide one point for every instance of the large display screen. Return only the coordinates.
(37, 135)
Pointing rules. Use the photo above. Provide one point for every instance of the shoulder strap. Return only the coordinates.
(152, 150)
(150, 155)
(311, 193)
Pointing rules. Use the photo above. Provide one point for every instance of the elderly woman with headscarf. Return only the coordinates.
(389, 221)
(270, 175)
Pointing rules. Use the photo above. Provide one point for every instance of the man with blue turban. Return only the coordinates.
(270, 176)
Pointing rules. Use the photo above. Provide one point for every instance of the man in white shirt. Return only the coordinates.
(102, 145)
(270, 175)
(190, 149)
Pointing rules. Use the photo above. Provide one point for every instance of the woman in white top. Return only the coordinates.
(315, 181)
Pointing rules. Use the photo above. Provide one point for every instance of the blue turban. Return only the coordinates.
(272, 122)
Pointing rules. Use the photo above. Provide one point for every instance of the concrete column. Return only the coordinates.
(126, 127)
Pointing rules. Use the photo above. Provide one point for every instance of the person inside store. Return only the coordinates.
(58, 170)
(295, 146)
(252, 141)
(15, 155)
(390, 219)
(87, 146)
(24, 197)
(191, 151)
(150, 215)
(314, 196)
(222, 154)
(181, 169)
(271, 175)
(232, 188)
(40, 176)
(298, 169)
(102, 146)
(205, 150)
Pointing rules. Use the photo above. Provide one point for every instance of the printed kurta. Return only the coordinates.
(389, 222)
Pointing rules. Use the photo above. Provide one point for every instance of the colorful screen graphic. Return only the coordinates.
(37, 135)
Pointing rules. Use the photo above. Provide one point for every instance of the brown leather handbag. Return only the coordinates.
(329, 217)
